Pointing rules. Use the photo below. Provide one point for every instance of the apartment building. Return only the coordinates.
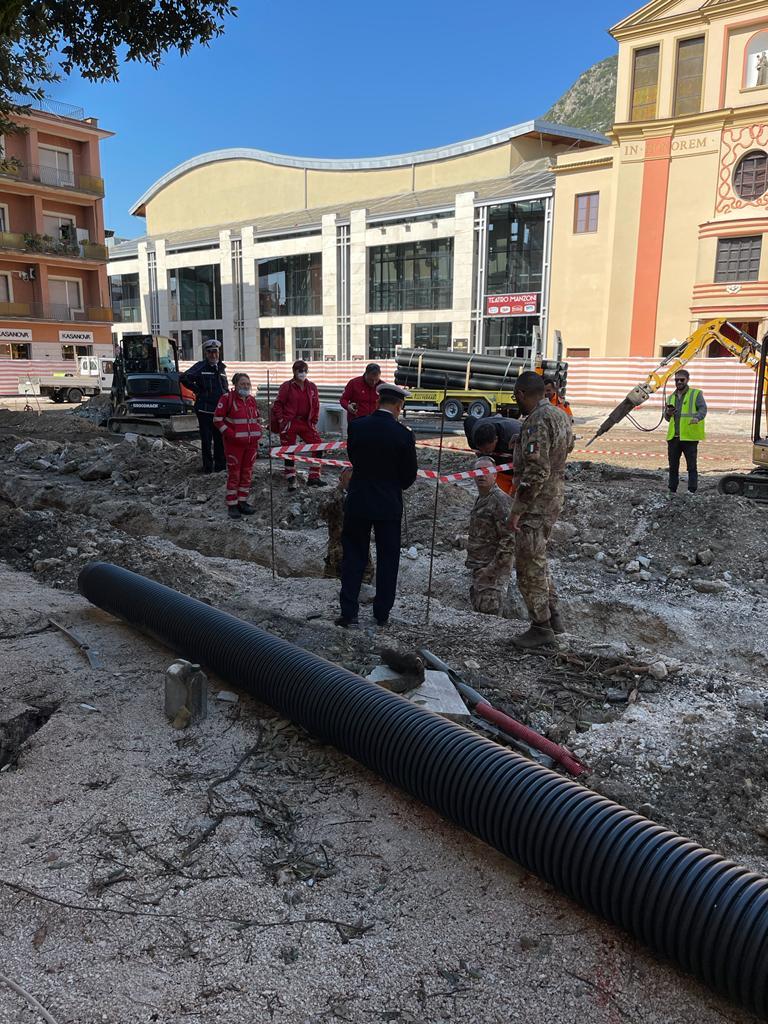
(54, 293)
(282, 257)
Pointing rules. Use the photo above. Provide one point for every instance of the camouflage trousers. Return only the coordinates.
(333, 559)
(488, 597)
(534, 579)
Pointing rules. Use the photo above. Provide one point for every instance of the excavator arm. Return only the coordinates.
(739, 344)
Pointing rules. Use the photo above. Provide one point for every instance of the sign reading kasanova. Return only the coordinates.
(517, 304)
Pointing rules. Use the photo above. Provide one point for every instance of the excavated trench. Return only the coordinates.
(16, 730)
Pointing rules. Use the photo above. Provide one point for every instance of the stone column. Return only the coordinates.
(330, 285)
(250, 295)
(463, 266)
(358, 288)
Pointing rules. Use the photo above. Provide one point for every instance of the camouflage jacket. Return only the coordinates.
(490, 544)
(539, 459)
(332, 511)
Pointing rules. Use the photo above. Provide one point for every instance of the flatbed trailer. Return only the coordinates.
(455, 403)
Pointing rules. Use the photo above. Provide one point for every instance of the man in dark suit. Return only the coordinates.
(383, 456)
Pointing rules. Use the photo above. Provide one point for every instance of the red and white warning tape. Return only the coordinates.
(324, 446)
(425, 474)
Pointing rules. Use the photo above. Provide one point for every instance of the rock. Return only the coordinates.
(644, 560)
(471, 663)
(658, 670)
(389, 679)
(612, 570)
(705, 557)
(590, 550)
(22, 447)
(647, 810)
(617, 696)
(528, 942)
(676, 574)
(412, 553)
(130, 438)
(633, 566)
(186, 689)
(71, 552)
(564, 532)
(100, 470)
(710, 586)
(43, 564)
(751, 700)
(367, 593)
(182, 719)
(227, 696)
(645, 576)
(600, 556)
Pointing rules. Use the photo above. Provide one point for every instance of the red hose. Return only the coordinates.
(534, 739)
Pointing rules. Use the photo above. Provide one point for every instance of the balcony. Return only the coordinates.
(53, 177)
(126, 311)
(13, 241)
(52, 311)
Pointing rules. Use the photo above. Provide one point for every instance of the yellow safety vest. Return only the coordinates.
(688, 431)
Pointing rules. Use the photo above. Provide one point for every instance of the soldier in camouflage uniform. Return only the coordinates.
(539, 462)
(332, 511)
(490, 545)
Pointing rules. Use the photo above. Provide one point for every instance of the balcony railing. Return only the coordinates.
(55, 177)
(52, 107)
(54, 311)
(127, 312)
(33, 243)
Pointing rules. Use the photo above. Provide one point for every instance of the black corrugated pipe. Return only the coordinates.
(688, 904)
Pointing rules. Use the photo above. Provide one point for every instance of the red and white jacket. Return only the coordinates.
(238, 419)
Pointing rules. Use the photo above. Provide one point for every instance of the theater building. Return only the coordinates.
(666, 227)
(283, 257)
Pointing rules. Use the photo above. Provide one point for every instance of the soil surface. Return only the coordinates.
(239, 870)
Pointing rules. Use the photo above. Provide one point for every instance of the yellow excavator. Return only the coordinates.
(744, 348)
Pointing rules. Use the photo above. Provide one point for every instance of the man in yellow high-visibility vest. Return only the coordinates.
(686, 411)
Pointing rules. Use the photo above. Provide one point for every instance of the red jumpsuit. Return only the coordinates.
(240, 425)
(295, 414)
(366, 398)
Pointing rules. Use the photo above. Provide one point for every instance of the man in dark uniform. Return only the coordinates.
(208, 379)
(383, 456)
(495, 437)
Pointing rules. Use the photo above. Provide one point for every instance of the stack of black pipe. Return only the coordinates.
(427, 368)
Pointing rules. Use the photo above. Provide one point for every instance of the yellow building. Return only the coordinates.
(281, 257)
(665, 228)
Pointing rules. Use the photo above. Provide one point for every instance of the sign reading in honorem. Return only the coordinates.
(519, 304)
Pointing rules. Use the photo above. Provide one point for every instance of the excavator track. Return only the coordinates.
(746, 485)
(173, 428)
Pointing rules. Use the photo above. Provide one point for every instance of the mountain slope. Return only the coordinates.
(589, 103)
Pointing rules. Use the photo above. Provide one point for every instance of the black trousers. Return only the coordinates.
(213, 445)
(355, 541)
(690, 449)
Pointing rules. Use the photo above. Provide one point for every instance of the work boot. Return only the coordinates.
(246, 509)
(555, 621)
(540, 634)
(234, 512)
(316, 481)
(345, 623)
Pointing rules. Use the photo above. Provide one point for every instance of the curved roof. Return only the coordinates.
(535, 127)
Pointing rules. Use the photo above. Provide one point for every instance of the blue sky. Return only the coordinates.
(342, 79)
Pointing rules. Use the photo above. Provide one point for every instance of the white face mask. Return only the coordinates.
(301, 376)
(243, 392)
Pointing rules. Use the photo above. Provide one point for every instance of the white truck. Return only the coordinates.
(93, 376)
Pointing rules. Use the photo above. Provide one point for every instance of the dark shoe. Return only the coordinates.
(291, 483)
(207, 470)
(540, 634)
(234, 512)
(555, 621)
(344, 623)
(219, 469)
(382, 623)
(246, 509)
(316, 481)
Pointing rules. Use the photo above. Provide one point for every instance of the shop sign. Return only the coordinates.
(15, 334)
(76, 337)
(517, 304)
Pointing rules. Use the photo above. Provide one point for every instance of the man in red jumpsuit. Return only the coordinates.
(294, 417)
(237, 420)
(360, 396)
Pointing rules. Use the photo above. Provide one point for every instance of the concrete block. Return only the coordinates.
(186, 686)
(437, 693)
(333, 420)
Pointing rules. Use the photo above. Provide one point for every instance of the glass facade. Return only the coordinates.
(272, 344)
(436, 336)
(126, 298)
(186, 348)
(509, 336)
(515, 247)
(308, 343)
(415, 275)
(195, 293)
(645, 84)
(291, 285)
(383, 339)
(689, 76)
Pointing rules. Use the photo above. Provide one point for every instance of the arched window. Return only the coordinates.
(750, 179)
(756, 64)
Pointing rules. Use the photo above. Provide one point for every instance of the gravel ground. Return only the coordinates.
(241, 871)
